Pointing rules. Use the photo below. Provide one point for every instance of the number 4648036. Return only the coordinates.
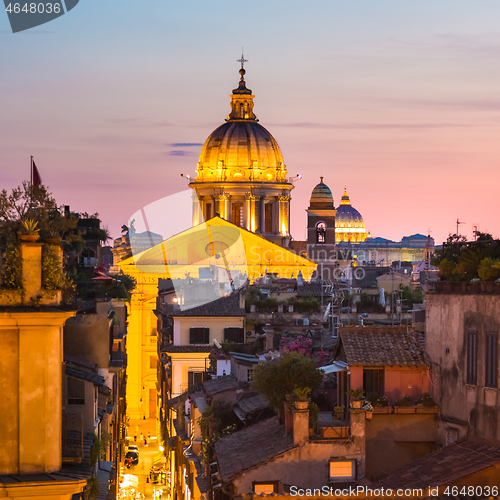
(34, 8)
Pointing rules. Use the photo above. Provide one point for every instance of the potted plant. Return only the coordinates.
(53, 238)
(302, 394)
(338, 410)
(357, 396)
(425, 404)
(29, 230)
(403, 405)
(369, 410)
(381, 405)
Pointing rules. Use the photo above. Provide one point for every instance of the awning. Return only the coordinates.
(336, 366)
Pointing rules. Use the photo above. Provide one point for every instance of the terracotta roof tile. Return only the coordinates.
(250, 447)
(382, 347)
(187, 348)
(225, 306)
(220, 384)
(451, 463)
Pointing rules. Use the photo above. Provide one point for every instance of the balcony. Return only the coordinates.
(72, 439)
(117, 359)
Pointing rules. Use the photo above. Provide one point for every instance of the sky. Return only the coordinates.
(395, 100)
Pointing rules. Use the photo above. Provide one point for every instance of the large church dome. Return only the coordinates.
(241, 149)
(241, 175)
(349, 225)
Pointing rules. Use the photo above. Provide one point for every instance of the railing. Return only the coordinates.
(72, 437)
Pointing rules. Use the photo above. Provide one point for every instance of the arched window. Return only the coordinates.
(320, 232)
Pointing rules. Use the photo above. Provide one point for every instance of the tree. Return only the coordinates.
(281, 376)
(31, 202)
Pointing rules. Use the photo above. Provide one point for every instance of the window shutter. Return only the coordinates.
(207, 336)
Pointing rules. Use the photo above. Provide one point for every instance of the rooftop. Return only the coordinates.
(187, 348)
(225, 306)
(250, 447)
(453, 462)
(91, 377)
(221, 384)
(246, 406)
(382, 346)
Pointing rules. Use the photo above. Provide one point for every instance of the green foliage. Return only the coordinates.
(30, 226)
(313, 417)
(368, 303)
(489, 269)
(11, 268)
(281, 376)
(410, 298)
(305, 304)
(462, 261)
(446, 268)
(215, 422)
(355, 393)
(92, 489)
(302, 393)
(31, 202)
(53, 276)
(426, 400)
(404, 401)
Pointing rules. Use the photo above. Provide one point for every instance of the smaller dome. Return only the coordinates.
(322, 192)
(349, 224)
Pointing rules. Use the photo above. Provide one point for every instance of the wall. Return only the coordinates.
(216, 325)
(86, 336)
(88, 410)
(395, 439)
(182, 364)
(30, 391)
(307, 466)
(398, 381)
(449, 316)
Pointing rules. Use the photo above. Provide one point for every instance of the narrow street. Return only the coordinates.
(149, 455)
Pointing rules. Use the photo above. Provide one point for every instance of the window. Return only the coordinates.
(195, 378)
(373, 381)
(199, 335)
(268, 218)
(237, 209)
(340, 470)
(249, 374)
(320, 232)
(491, 359)
(76, 391)
(152, 362)
(472, 357)
(266, 488)
(234, 334)
(208, 211)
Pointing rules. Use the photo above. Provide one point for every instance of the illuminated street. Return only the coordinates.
(149, 455)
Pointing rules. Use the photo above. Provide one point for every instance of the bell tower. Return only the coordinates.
(321, 217)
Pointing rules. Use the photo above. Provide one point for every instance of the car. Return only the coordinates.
(132, 455)
(133, 447)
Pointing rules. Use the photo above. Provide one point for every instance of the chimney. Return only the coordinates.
(242, 299)
(301, 423)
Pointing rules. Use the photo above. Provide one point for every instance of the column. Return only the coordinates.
(250, 222)
(197, 209)
(283, 226)
(262, 227)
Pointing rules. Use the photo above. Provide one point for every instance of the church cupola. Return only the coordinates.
(242, 99)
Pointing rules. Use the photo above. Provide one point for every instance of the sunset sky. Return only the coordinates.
(398, 101)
